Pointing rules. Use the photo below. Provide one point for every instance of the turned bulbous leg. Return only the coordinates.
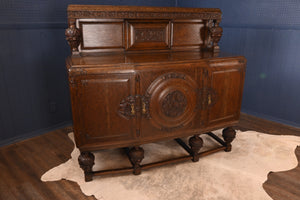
(136, 155)
(196, 144)
(228, 135)
(86, 162)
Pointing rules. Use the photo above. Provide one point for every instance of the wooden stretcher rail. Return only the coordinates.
(168, 161)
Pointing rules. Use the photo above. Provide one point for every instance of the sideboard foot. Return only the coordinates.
(136, 155)
(228, 135)
(196, 144)
(86, 162)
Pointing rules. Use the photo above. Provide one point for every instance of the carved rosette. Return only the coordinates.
(73, 37)
(174, 104)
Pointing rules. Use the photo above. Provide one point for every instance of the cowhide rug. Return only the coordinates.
(221, 176)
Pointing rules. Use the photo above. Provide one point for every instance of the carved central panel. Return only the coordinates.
(174, 104)
(150, 35)
(145, 34)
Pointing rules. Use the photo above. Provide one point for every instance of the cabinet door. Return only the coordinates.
(96, 109)
(171, 93)
(226, 81)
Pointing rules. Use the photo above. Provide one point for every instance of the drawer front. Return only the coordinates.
(96, 105)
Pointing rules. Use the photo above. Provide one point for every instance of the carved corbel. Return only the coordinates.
(215, 34)
(73, 36)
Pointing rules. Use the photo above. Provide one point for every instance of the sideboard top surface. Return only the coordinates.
(113, 59)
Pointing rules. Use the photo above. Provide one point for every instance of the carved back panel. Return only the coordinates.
(130, 28)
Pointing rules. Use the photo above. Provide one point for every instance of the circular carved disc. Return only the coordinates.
(174, 104)
(172, 100)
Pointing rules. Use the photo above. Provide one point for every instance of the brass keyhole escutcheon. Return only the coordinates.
(132, 109)
(209, 99)
(144, 108)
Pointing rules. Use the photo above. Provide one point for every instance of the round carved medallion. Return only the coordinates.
(172, 101)
(174, 104)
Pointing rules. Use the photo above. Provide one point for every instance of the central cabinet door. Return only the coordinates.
(171, 100)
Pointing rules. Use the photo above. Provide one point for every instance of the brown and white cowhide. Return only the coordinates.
(221, 176)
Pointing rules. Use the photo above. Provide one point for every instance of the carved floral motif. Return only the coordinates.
(173, 75)
(150, 35)
(174, 104)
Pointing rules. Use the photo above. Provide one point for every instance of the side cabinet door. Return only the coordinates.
(96, 102)
(226, 82)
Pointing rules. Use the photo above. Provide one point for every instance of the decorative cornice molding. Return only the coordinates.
(108, 8)
(145, 15)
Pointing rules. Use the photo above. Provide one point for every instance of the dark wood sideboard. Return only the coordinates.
(143, 74)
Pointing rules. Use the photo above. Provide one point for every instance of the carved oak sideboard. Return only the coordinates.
(143, 74)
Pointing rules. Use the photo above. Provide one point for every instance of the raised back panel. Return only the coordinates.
(101, 34)
(187, 34)
(132, 28)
